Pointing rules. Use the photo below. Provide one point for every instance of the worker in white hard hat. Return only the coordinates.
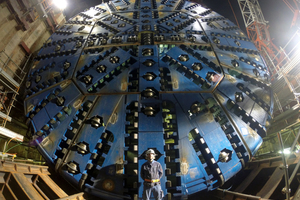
(151, 173)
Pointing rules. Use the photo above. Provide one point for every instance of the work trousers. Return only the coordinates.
(156, 189)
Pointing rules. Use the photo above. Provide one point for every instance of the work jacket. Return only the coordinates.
(151, 171)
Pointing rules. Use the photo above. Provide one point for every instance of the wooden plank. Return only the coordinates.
(78, 196)
(38, 189)
(248, 180)
(8, 192)
(53, 186)
(271, 184)
(27, 186)
(1, 196)
(229, 195)
(297, 194)
(23, 168)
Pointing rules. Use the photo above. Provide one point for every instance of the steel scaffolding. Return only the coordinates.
(285, 75)
(282, 65)
(288, 75)
(11, 79)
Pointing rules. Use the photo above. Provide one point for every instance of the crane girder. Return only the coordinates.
(257, 30)
(251, 12)
(295, 8)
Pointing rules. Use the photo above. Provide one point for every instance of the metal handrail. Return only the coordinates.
(286, 190)
(16, 87)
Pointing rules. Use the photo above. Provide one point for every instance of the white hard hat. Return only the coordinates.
(150, 151)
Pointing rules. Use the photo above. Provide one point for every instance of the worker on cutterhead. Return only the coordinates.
(151, 172)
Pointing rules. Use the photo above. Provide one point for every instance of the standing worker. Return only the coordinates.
(151, 173)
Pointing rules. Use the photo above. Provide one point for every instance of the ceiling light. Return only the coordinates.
(61, 4)
(286, 151)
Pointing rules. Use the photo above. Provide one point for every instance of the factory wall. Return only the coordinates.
(23, 30)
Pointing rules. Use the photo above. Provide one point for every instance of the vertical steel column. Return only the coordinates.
(10, 59)
(286, 176)
(298, 164)
(294, 143)
(16, 84)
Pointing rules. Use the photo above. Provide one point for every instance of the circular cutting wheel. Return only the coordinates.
(126, 76)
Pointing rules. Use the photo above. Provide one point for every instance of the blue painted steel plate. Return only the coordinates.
(126, 76)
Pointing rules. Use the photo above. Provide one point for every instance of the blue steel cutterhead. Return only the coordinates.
(127, 76)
